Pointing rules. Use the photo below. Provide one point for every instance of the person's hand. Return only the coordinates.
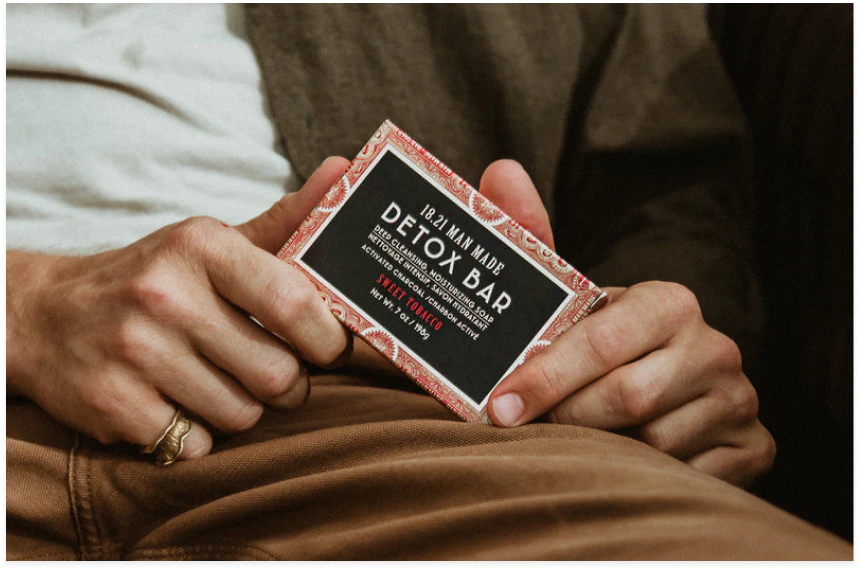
(646, 361)
(111, 343)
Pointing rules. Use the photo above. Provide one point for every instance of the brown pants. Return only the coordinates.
(365, 472)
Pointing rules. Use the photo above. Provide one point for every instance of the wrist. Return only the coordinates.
(28, 274)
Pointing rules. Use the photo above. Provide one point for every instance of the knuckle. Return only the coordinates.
(658, 438)
(102, 404)
(605, 341)
(280, 210)
(193, 234)
(277, 378)
(681, 300)
(638, 397)
(727, 352)
(548, 378)
(744, 402)
(153, 293)
(764, 454)
(294, 300)
(134, 343)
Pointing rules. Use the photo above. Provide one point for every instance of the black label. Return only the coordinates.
(449, 289)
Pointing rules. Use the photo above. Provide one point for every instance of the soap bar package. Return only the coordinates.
(433, 275)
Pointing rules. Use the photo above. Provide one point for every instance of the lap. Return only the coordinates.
(369, 472)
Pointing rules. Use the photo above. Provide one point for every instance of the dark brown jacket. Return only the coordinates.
(624, 117)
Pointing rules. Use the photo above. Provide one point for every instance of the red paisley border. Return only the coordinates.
(586, 299)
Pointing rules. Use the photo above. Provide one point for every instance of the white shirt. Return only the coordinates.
(121, 119)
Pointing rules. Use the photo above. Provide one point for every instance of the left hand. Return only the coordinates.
(646, 361)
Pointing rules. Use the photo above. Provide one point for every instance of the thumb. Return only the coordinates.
(508, 186)
(271, 229)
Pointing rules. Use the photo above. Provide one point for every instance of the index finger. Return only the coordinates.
(641, 320)
(278, 295)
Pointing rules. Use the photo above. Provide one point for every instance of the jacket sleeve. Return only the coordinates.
(654, 182)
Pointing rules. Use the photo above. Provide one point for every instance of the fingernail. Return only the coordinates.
(508, 408)
(197, 444)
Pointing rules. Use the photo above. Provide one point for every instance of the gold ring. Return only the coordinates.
(169, 446)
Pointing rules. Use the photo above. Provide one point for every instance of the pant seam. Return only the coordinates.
(82, 499)
(97, 537)
(73, 497)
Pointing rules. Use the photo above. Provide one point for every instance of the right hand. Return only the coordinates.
(110, 344)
